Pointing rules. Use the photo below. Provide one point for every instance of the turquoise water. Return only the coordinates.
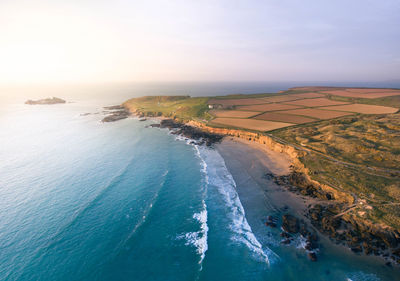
(83, 200)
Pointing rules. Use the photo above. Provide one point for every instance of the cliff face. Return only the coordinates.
(274, 145)
(256, 137)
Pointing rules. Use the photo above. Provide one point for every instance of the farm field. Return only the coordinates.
(233, 102)
(304, 105)
(364, 108)
(308, 95)
(280, 98)
(233, 113)
(317, 113)
(251, 124)
(281, 117)
(268, 107)
(364, 93)
(316, 102)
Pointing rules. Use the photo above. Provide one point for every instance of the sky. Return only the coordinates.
(45, 41)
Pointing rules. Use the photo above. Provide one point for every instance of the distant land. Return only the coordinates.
(52, 100)
(344, 144)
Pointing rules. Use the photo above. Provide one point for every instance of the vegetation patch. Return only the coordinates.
(279, 117)
(180, 107)
(317, 113)
(316, 102)
(250, 124)
(365, 109)
(233, 113)
(268, 107)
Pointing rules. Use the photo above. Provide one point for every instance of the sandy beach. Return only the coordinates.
(249, 162)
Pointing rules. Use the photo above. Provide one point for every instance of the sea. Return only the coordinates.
(86, 200)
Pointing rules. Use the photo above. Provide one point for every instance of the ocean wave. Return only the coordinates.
(362, 276)
(203, 166)
(114, 181)
(198, 239)
(219, 176)
(59, 234)
(223, 180)
(146, 213)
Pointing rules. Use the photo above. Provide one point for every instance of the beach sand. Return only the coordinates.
(248, 162)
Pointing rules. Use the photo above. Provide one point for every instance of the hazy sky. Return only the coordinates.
(270, 40)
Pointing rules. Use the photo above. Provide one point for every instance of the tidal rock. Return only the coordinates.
(285, 235)
(191, 132)
(290, 223)
(312, 256)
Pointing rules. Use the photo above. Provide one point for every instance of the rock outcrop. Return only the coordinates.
(115, 113)
(190, 132)
(356, 234)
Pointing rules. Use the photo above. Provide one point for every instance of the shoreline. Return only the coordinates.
(248, 162)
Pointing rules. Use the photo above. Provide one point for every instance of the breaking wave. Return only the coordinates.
(198, 239)
(219, 176)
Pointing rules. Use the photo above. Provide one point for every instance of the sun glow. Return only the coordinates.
(99, 41)
(46, 46)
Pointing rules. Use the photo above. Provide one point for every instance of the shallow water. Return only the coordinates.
(83, 200)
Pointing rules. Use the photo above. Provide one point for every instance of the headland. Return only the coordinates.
(334, 150)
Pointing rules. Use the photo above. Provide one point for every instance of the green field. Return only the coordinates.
(183, 108)
(360, 155)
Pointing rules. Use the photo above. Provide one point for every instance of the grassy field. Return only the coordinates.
(181, 107)
(358, 154)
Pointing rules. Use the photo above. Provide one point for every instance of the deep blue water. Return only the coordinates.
(83, 200)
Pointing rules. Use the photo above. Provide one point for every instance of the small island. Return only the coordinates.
(52, 100)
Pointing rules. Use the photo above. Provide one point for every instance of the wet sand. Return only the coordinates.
(248, 162)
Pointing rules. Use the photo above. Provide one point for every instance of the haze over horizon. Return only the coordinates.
(101, 41)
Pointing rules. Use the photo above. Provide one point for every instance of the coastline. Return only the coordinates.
(249, 162)
(316, 205)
